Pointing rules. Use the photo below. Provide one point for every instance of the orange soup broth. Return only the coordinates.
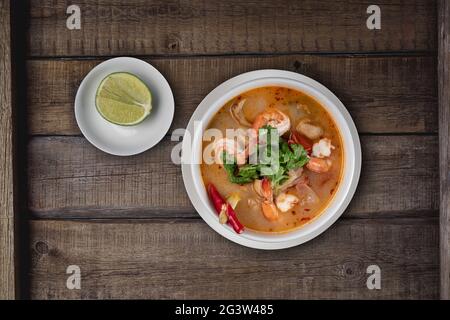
(297, 106)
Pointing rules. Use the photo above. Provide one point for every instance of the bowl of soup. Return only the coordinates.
(271, 159)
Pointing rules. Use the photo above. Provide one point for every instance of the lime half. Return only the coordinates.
(122, 98)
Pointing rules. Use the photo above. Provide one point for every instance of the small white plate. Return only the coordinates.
(124, 140)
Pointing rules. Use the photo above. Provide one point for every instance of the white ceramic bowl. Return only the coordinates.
(124, 140)
(192, 151)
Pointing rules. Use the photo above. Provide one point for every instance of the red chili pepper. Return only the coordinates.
(233, 219)
(218, 202)
(297, 138)
(215, 197)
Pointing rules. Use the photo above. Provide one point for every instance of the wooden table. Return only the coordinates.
(127, 221)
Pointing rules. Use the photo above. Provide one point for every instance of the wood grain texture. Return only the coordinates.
(139, 27)
(7, 204)
(68, 177)
(169, 252)
(444, 143)
(383, 94)
(188, 260)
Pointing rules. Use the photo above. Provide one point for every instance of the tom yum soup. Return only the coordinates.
(274, 161)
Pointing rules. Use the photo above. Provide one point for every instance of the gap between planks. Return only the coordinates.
(368, 54)
(393, 218)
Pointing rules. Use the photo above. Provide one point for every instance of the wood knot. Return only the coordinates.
(173, 42)
(297, 65)
(351, 270)
(41, 247)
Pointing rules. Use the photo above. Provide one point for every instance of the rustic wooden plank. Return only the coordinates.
(8, 289)
(70, 178)
(444, 143)
(188, 260)
(139, 27)
(383, 94)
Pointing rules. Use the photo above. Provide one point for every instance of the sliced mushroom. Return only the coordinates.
(237, 113)
(309, 130)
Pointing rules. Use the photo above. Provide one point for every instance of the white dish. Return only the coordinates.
(235, 86)
(124, 140)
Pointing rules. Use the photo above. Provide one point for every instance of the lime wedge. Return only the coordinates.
(122, 98)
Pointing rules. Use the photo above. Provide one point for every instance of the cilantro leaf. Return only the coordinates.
(290, 157)
(240, 175)
(298, 157)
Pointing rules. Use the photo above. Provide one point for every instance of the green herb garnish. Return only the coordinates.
(241, 175)
(290, 157)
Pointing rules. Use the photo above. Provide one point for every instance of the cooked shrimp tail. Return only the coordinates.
(319, 165)
(273, 118)
(269, 210)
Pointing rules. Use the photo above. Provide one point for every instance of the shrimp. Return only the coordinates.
(233, 148)
(264, 190)
(274, 118)
(322, 148)
(319, 165)
(269, 210)
(286, 202)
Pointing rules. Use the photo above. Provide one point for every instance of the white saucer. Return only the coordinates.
(124, 140)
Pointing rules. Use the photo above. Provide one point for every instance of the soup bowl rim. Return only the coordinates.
(192, 154)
